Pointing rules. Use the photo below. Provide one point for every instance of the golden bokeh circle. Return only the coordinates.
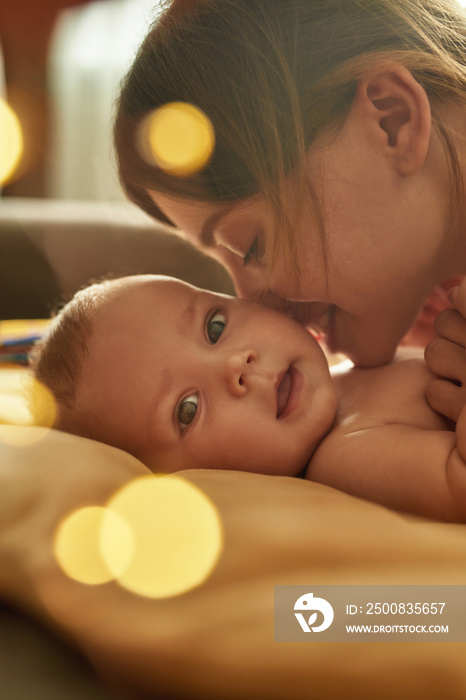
(179, 138)
(43, 404)
(37, 415)
(78, 544)
(11, 142)
(177, 534)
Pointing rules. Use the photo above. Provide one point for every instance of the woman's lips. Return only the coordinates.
(323, 325)
(316, 316)
(330, 332)
(324, 329)
(289, 392)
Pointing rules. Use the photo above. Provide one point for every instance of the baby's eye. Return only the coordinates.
(187, 410)
(215, 326)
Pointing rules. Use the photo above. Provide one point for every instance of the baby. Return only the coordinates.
(184, 378)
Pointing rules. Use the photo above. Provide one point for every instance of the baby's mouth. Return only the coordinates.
(289, 392)
(283, 393)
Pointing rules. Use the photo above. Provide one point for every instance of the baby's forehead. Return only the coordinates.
(126, 300)
(137, 286)
(143, 282)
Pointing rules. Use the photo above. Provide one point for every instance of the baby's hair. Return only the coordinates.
(57, 360)
(271, 75)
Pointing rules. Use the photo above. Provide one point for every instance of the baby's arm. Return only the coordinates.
(402, 467)
(446, 357)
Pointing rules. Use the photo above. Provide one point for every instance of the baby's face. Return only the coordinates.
(184, 378)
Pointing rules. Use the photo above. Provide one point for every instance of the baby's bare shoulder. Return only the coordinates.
(387, 395)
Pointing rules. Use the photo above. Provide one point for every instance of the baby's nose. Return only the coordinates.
(237, 368)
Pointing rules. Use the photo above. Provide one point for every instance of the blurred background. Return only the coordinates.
(64, 220)
(63, 217)
(62, 63)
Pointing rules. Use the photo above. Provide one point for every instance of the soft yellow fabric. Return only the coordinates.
(217, 640)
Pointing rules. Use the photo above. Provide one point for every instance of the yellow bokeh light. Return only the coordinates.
(177, 536)
(179, 137)
(33, 423)
(42, 403)
(78, 545)
(11, 142)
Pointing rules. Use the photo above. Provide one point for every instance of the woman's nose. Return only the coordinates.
(236, 369)
(245, 287)
(248, 282)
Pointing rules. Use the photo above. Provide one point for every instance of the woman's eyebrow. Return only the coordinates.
(207, 232)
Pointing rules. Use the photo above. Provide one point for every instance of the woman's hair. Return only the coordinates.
(271, 75)
(57, 360)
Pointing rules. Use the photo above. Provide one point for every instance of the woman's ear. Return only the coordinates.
(396, 110)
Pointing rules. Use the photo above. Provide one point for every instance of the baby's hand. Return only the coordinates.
(446, 357)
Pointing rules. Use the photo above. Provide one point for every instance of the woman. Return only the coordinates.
(336, 178)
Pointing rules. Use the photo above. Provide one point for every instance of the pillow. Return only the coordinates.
(217, 640)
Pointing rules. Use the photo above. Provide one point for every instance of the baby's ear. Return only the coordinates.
(396, 110)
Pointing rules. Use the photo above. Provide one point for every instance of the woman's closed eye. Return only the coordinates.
(186, 411)
(255, 252)
(215, 326)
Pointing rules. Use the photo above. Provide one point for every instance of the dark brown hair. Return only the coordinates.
(271, 75)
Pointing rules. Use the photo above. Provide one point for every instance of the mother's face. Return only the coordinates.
(383, 231)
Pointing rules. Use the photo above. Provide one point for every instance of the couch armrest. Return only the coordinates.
(82, 241)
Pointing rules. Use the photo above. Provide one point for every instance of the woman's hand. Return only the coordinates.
(446, 357)
(423, 330)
